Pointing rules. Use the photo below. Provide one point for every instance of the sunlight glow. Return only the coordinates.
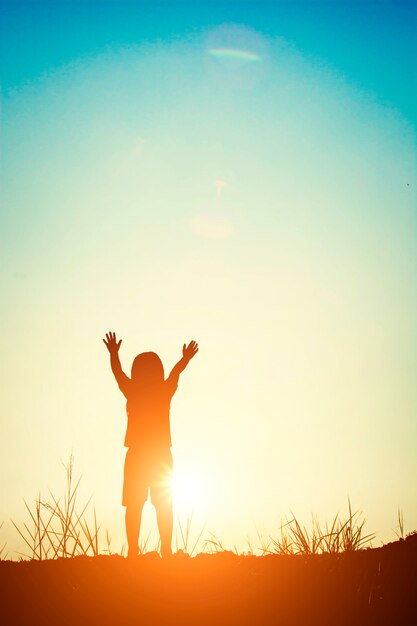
(189, 490)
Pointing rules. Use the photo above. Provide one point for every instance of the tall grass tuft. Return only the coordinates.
(3, 553)
(58, 527)
(332, 538)
(400, 527)
(183, 536)
(213, 545)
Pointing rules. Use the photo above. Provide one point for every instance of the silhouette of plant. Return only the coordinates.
(336, 537)
(400, 532)
(60, 529)
(3, 553)
(185, 536)
(214, 545)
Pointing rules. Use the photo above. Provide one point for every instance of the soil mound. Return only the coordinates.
(374, 587)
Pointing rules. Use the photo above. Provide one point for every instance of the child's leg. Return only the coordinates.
(133, 519)
(163, 505)
(135, 493)
(161, 498)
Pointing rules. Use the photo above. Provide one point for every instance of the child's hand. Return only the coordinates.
(112, 344)
(189, 351)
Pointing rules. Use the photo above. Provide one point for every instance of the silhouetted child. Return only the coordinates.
(148, 463)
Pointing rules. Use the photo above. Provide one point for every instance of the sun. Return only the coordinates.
(184, 489)
(189, 490)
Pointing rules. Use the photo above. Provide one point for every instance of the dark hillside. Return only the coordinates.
(375, 586)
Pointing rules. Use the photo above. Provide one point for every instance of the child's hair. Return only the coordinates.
(147, 369)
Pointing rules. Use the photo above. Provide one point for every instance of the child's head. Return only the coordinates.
(147, 369)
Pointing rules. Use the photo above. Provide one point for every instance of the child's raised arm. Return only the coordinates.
(187, 354)
(113, 347)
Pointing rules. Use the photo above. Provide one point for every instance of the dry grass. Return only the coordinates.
(183, 536)
(399, 531)
(3, 553)
(331, 538)
(58, 527)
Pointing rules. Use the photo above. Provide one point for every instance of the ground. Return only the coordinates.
(375, 586)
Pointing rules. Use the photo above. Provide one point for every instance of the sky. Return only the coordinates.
(238, 173)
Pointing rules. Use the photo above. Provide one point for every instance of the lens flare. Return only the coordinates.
(233, 53)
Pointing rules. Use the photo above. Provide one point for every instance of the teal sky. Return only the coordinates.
(372, 43)
(261, 201)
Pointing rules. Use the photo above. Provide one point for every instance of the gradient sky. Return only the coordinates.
(263, 204)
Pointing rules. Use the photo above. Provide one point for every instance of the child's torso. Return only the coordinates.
(148, 418)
